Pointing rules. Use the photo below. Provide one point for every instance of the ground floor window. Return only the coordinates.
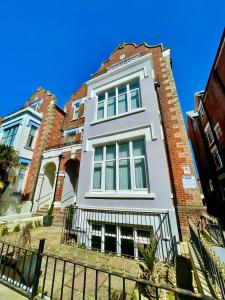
(123, 240)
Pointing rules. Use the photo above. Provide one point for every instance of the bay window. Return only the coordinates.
(118, 100)
(9, 135)
(120, 166)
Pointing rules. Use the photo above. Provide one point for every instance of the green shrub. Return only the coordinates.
(37, 223)
(50, 210)
(29, 225)
(16, 228)
(4, 230)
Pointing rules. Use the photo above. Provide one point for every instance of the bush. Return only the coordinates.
(29, 225)
(16, 228)
(50, 210)
(37, 223)
(4, 230)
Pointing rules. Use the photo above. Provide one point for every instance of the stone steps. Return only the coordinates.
(57, 213)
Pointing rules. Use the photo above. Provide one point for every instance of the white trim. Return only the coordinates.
(26, 109)
(127, 134)
(134, 111)
(139, 74)
(127, 195)
(144, 58)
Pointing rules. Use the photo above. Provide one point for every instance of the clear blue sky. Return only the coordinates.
(58, 44)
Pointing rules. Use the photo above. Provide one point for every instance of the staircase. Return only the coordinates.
(57, 213)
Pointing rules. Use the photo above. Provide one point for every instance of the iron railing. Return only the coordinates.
(212, 229)
(56, 277)
(119, 232)
(214, 268)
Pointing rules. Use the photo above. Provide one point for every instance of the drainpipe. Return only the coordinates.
(57, 175)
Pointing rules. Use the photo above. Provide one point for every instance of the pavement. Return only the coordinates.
(7, 294)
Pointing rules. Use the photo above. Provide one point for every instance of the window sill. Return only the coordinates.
(72, 120)
(29, 148)
(138, 110)
(133, 195)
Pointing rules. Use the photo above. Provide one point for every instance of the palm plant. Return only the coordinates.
(8, 159)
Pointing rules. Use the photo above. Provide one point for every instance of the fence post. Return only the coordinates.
(38, 268)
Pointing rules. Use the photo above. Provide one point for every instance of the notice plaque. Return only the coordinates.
(189, 182)
(186, 170)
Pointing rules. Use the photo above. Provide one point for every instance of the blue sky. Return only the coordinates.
(58, 44)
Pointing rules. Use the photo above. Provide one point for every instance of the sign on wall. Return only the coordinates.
(189, 182)
(186, 170)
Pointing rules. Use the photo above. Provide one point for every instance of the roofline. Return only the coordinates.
(222, 40)
(122, 46)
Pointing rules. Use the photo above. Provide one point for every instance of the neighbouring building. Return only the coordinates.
(206, 130)
(28, 131)
(59, 171)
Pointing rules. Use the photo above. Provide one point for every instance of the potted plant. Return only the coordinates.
(47, 219)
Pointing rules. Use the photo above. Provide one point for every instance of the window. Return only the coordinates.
(119, 99)
(217, 158)
(9, 135)
(20, 179)
(36, 104)
(76, 111)
(31, 137)
(218, 130)
(120, 166)
(201, 111)
(209, 134)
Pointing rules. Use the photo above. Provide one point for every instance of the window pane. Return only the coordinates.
(100, 110)
(111, 107)
(98, 153)
(76, 113)
(110, 175)
(122, 89)
(124, 150)
(110, 152)
(122, 103)
(97, 176)
(134, 85)
(101, 97)
(111, 93)
(124, 174)
(140, 176)
(135, 99)
(138, 148)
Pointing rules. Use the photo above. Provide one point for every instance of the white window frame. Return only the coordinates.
(128, 94)
(209, 134)
(215, 152)
(76, 107)
(131, 158)
(218, 130)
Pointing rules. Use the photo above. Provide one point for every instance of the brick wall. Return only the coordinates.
(48, 133)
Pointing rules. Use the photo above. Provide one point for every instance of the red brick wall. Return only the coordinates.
(48, 133)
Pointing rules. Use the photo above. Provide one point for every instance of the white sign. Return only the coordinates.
(186, 170)
(189, 182)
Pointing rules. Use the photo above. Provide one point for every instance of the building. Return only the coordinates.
(206, 129)
(27, 131)
(123, 157)
(59, 171)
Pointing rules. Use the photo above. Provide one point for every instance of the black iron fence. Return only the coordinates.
(119, 232)
(20, 267)
(214, 268)
(34, 272)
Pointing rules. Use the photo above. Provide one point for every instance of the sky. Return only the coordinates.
(59, 44)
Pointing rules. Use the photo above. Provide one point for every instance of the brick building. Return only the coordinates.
(131, 99)
(29, 130)
(206, 128)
